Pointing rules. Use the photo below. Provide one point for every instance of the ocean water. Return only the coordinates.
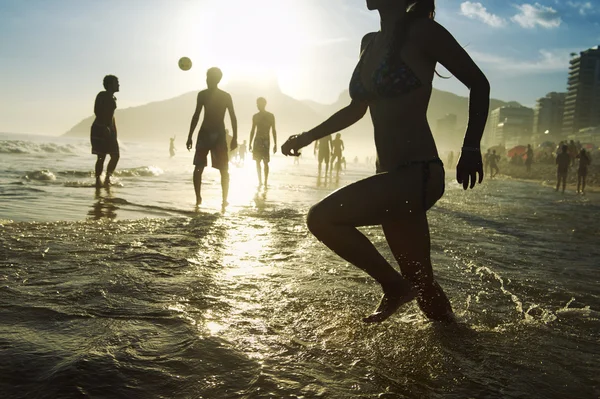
(129, 292)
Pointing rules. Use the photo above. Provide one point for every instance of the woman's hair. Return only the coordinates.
(421, 9)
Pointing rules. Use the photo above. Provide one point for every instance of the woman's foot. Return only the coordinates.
(391, 300)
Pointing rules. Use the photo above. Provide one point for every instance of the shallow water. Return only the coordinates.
(130, 293)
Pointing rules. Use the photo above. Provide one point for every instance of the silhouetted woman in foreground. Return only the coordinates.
(393, 80)
(103, 134)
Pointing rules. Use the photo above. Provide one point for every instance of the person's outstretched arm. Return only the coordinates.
(274, 136)
(195, 118)
(442, 47)
(233, 123)
(252, 133)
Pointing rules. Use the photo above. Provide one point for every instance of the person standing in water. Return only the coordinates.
(103, 134)
(494, 169)
(212, 135)
(323, 148)
(338, 148)
(582, 171)
(393, 79)
(263, 122)
(172, 146)
(563, 161)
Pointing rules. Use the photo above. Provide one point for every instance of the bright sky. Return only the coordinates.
(54, 53)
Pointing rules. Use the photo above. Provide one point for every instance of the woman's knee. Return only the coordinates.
(316, 220)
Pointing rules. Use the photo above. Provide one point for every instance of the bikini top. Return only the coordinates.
(392, 78)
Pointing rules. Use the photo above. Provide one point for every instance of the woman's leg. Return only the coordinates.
(376, 200)
(410, 244)
(112, 165)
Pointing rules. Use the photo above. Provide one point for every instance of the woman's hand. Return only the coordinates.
(295, 143)
(469, 165)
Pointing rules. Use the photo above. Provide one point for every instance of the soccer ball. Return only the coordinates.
(185, 63)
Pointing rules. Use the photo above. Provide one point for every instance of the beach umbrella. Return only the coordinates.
(518, 150)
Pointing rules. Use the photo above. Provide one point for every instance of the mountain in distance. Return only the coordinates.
(157, 121)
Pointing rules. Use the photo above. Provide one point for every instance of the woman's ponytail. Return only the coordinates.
(422, 9)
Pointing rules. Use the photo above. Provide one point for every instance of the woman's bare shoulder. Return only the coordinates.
(366, 40)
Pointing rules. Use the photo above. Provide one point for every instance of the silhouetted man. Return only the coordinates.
(486, 162)
(494, 169)
(324, 147)
(263, 122)
(582, 171)
(212, 136)
(563, 160)
(338, 148)
(103, 134)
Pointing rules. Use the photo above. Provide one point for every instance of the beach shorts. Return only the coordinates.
(324, 155)
(216, 144)
(260, 150)
(103, 140)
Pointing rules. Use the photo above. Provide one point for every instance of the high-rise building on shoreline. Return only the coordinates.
(582, 103)
(548, 118)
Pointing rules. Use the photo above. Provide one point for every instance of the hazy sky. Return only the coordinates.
(54, 53)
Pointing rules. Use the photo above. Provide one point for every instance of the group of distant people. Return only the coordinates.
(393, 80)
(330, 152)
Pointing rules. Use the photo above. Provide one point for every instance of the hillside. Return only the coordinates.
(159, 120)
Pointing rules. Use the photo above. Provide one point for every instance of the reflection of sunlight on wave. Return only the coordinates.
(244, 184)
(250, 242)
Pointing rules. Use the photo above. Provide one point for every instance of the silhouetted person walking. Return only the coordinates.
(584, 161)
(494, 169)
(393, 79)
(336, 153)
(103, 133)
(212, 136)
(563, 161)
(263, 123)
(486, 162)
(323, 149)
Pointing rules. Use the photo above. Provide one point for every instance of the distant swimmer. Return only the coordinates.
(172, 146)
(323, 149)
(563, 161)
(336, 153)
(263, 123)
(103, 133)
(584, 161)
(410, 175)
(212, 136)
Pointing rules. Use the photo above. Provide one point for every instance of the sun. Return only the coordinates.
(258, 39)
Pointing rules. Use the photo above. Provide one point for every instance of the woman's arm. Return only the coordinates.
(342, 119)
(441, 46)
